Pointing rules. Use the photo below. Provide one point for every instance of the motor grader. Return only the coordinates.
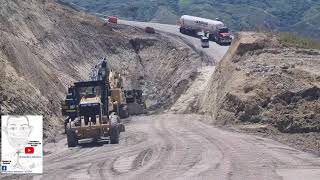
(87, 108)
(117, 101)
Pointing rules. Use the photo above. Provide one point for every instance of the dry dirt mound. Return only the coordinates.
(261, 82)
(45, 47)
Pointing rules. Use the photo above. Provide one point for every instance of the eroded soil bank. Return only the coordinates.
(262, 86)
(45, 47)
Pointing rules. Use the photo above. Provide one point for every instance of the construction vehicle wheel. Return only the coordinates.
(65, 128)
(71, 139)
(114, 131)
(66, 121)
(122, 128)
(123, 112)
(114, 135)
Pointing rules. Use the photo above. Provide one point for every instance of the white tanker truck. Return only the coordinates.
(216, 30)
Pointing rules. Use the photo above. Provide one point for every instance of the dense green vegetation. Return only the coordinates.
(301, 16)
(289, 39)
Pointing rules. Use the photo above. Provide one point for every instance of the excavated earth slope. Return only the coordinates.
(265, 87)
(45, 47)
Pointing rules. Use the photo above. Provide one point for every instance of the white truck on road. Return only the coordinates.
(216, 30)
(204, 42)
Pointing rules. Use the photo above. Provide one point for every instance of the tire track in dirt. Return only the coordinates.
(170, 146)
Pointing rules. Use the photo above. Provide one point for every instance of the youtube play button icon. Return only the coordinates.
(29, 150)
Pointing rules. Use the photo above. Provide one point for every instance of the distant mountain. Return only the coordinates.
(299, 16)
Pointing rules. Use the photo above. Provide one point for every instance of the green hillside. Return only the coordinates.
(300, 16)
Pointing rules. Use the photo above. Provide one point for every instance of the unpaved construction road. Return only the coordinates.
(186, 102)
(173, 146)
(215, 51)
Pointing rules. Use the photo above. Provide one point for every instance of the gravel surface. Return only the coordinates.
(171, 146)
(166, 146)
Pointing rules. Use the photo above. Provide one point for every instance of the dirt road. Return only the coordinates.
(215, 51)
(186, 102)
(172, 146)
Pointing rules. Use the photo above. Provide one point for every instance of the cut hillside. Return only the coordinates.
(263, 86)
(45, 47)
